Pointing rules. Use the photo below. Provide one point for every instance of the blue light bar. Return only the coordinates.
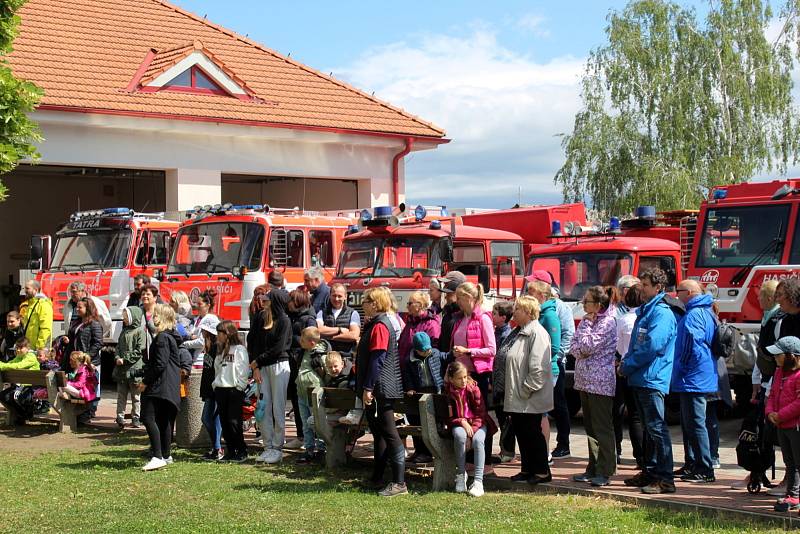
(720, 194)
(117, 211)
(382, 212)
(246, 207)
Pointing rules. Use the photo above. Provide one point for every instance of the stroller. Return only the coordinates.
(251, 395)
(755, 451)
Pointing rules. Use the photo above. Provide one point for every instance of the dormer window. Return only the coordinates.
(194, 80)
(188, 69)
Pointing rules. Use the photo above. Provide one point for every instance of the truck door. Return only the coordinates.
(506, 265)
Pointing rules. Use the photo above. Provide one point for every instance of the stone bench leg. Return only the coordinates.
(335, 437)
(444, 457)
(68, 418)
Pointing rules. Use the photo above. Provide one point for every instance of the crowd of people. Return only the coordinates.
(503, 371)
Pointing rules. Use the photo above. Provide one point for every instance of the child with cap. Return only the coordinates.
(450, 311)
(783, 411)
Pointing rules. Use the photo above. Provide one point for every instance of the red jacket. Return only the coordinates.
(476, 405)
(784, 398)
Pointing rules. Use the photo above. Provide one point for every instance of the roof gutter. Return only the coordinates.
(396, 170)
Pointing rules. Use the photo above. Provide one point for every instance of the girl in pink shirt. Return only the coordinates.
(84, 384)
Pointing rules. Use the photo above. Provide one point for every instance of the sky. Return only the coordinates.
(500, 77)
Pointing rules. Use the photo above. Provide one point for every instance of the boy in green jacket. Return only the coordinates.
(25, 358)
(310, 375)
(130, 348)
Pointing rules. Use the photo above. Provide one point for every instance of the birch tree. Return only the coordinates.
(672, 107)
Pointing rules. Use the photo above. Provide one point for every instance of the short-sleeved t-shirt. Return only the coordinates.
(379, 338)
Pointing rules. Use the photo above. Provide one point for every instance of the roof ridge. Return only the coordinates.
(297, 64)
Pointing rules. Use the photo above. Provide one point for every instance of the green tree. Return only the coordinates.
(672, 108)
(17, 98)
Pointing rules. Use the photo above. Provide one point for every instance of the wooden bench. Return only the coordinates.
(434, 413)
(52, 380)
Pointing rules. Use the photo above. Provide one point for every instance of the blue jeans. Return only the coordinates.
(695, 433)
(657, 442)
(460, 444)
(211, 422)
(310, 441)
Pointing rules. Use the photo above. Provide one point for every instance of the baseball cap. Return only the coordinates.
(785, 345)
(450, 282)
(540, 275)
(422, 342)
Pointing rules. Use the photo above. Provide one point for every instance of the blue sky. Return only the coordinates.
(501, 78)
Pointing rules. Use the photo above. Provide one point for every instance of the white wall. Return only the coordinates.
(116, 141)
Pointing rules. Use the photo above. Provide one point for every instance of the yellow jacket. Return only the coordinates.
(37, 318)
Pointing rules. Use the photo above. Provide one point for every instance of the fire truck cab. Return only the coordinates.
(104, 249)
(405, 256)
(232, 249)
(746, 235)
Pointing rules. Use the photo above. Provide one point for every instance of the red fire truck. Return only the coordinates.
(232, 249)
(104, 249)
(746, 235)
(405, 255)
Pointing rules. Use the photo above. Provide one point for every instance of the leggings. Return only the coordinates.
(388, 445)
(158, 417)
(460, 445)
(229, 403)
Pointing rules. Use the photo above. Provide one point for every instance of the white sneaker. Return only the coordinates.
(275, 456)
(264, 456)
(777, 491)
(170, 460)
(154, 463)
(461, 483)
(353, 417)
(294, 444)
(476, 490)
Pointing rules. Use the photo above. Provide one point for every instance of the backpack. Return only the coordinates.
(724, 338)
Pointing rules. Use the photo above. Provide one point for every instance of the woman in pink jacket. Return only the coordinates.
(594, 347)
(783, 411)
(473, 339)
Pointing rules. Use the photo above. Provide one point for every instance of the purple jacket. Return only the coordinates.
(426, 322)
(594, 347)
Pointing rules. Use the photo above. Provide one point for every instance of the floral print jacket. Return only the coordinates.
(594, 348)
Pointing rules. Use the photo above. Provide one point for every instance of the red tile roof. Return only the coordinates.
(85, 53)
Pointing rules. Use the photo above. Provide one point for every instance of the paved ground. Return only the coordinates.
(716, 496)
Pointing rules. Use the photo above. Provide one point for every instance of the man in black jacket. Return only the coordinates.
(339, 324)
(787, 295)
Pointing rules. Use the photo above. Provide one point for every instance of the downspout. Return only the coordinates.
(396, 170)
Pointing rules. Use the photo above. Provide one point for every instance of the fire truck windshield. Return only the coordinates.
(217, 248)
(91, 249)
(575, 273)
(738, 235)
(389, 257)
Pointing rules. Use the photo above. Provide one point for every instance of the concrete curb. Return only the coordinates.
(787, 521)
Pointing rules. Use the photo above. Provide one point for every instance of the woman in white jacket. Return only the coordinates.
(232, 369)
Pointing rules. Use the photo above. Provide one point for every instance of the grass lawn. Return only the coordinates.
(102, 489)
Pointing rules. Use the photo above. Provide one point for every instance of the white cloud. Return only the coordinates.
(501, 109)
(533, 23)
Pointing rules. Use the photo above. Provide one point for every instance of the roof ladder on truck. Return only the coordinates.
(688, 231)
(278, 247)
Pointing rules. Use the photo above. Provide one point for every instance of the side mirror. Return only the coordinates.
(782, 192)
(484, 277)
(37, 247)
(446, 250)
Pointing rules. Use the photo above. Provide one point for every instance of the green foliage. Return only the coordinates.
(17, 98)
(672, 108)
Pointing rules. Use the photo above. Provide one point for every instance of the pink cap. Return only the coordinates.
(541, 276)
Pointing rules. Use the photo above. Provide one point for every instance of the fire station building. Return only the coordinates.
(153, 108)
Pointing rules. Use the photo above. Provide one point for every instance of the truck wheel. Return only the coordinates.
(573, 402)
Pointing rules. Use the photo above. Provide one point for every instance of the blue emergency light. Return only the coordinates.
(720, 194)
(383, 212)
(420, 212)
(614, 225)
(556, 228)
(366, 215)
(436, 225)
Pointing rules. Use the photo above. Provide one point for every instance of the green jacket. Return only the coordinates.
(312, 369)
(131, 345)
(26, 361)
(37, 315)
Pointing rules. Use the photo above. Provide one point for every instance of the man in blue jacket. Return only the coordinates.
(648, 367)
(694, 376)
